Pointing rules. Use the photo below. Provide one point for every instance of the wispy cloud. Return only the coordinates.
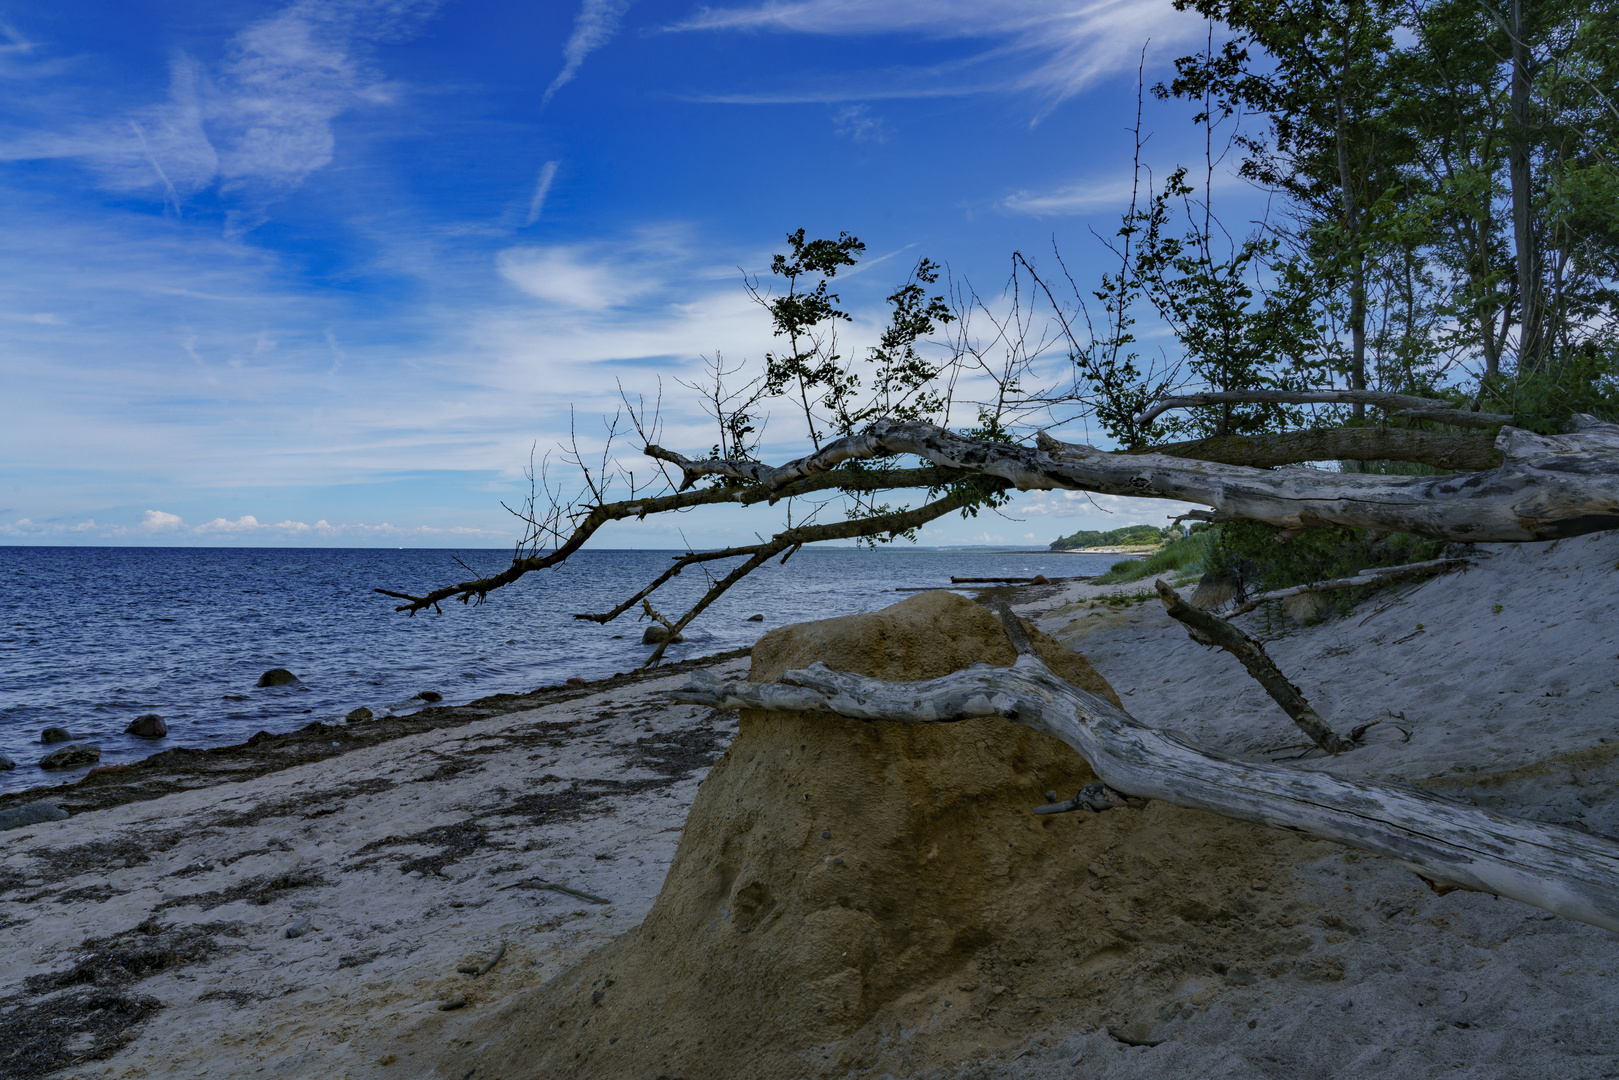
(856, 123)
(1100, 193)
(1054, 48)
(260, 121)
(542, 188)
(160, 525)
(593, 27)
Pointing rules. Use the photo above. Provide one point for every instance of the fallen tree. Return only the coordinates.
(1559, 870)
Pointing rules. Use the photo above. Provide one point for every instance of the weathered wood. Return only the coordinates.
(1463, 451)
(1547, 486)
(1571, 873)
(1376, 575)
(1409, 405)
(1211, 630)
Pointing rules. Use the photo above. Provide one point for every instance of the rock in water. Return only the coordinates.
(277, 676)
(838, 881)
(6, 763)
(657, 634)
(360, 715)
(71, 757)
(756, 618)
(55, 735)
(150, 726)
(430, 696)
(30, 814)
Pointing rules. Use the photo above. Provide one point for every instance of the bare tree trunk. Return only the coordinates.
(1548, 486)
(1522, 182)
(1573, 874)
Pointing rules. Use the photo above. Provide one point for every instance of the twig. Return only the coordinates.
(1207, 629)
(551, 886)
(1373, 576)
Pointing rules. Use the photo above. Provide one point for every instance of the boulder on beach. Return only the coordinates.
(430, 696)
(1040, 579)
(360, 715)
(30, 814)
(55, 735)
(150, 726)
(657, 634)
(278, 676)
(71, 757)
(837, 882)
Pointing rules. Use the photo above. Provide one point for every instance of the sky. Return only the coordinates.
(327, 273)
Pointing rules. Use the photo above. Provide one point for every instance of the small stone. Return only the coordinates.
(360, 715)
(577, 682)
(657, 634)
(55, 735)
(430, 696)
(30, 814)
(826, 836)
(299, 928)
(71, 757)
(387, 1059)
(279, 676)
(453, 1003)
(756, 618)
(150, 726)
(1040, 579)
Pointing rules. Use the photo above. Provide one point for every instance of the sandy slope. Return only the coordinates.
(149, 938)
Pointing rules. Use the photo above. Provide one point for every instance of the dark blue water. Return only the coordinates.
(90, 638)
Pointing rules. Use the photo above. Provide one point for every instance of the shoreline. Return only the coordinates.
(409, 855)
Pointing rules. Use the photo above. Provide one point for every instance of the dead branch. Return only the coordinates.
(1211, 630)
(1547, 486)
(1557, 869)
(1406, 405)
(590, 520)
(1376, 575)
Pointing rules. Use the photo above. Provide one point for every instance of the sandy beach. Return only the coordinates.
(150, 938)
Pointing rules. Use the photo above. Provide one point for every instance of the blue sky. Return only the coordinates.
(322, 273)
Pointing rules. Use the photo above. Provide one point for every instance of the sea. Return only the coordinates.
(92, 637)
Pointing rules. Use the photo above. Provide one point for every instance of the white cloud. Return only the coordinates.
(1055, 48)
(173, 527)
(577, 276)
(542, 188)
(158, 521)
(593, 27)
(1079, 198)
(856, 123)
(262, 120)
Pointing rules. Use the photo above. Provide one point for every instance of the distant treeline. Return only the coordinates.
(1130, 534)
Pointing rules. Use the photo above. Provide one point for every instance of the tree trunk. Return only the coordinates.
(1547, 486)
(1573, 874)
(1522, 182)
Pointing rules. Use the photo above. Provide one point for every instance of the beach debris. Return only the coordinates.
(1375, 575)
(30, 814)
(430, 696)
(476, 970)
(149, 726)
(1038, 579)
(452, 1004)
(1207, 629)
(71, 757)
(279, 676)
(55, 735)
(359, 716)
(552, 886)
(300, 928)
(1095, 796)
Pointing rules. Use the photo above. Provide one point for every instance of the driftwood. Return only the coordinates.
(1547, 486)
(1406, 405)
(1211, 630)
(1376, 575)
(1557, 869)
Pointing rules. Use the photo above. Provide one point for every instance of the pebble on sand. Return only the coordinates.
(30, 814)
